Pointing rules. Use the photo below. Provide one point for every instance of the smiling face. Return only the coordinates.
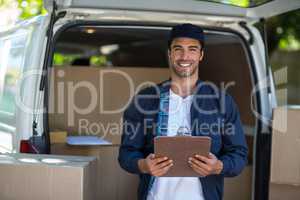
(184, 57)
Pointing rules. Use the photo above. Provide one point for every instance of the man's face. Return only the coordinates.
(184, 56)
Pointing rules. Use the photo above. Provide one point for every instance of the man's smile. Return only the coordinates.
(185, 64)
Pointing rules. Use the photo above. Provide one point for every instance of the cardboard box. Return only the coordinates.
(47, 177)
(113, 183)
(284, 191)
(90, 101)
(239, 187)
(58, 137)
(285, 160)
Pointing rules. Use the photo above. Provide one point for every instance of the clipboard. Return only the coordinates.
(179, 149)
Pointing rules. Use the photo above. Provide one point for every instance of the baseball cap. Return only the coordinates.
(187, 30)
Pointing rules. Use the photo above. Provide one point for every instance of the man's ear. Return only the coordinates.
(169, 54)
(202, 55)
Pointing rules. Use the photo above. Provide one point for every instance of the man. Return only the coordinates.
(183, 105)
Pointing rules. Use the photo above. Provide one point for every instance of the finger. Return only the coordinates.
(164, 164)
(210, 160)
(159, 160)
(199, 170)
(160, 167)
(163, 171)
(202, 158)
(196, 161)
(200, 164)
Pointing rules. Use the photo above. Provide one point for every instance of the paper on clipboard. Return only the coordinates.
(179, 149)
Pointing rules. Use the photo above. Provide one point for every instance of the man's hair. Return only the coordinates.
(188, 31)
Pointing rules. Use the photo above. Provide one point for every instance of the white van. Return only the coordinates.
(114, 46)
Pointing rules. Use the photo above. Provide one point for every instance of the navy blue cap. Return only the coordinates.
(187, 30)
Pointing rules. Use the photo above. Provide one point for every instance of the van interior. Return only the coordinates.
(93, 69)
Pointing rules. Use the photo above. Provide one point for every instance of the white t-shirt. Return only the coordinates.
(177, 188)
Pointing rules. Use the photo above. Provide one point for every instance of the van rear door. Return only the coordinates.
(21, 57)
(240, 11)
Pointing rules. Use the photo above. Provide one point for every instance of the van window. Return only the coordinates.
(12, 54)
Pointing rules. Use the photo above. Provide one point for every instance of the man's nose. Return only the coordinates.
(185, 55)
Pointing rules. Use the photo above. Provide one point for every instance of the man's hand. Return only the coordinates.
(155, 166)
(206, 165)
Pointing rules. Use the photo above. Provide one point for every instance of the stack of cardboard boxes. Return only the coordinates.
(47, 177)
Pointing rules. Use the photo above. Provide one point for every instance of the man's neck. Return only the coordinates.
(183, 86)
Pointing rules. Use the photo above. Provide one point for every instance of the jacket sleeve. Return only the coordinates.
(132, 141)
(234, 151)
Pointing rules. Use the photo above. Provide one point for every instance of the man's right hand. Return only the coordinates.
(155, 166)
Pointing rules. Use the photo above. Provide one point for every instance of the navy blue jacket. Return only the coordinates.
(228, 140)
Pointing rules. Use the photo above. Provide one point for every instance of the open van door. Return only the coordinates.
(247, 11)
(23, 47)
(18, 79)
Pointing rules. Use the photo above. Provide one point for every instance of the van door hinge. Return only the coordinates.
(244, 26)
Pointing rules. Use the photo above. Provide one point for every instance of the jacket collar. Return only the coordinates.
(166, 85)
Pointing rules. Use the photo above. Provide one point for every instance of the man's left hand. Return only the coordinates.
(206, 165)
